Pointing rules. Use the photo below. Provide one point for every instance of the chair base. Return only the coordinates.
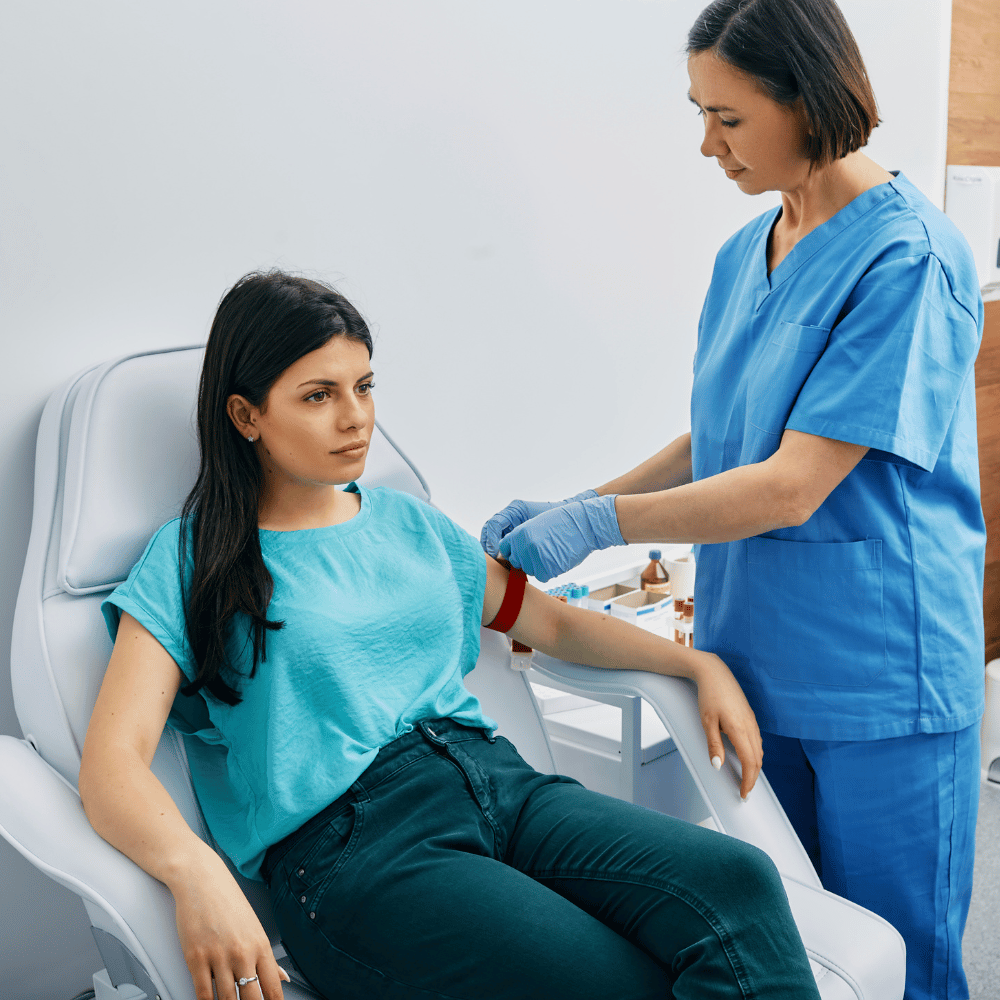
(103, 990)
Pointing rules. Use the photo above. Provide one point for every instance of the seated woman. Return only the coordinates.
(409, 852)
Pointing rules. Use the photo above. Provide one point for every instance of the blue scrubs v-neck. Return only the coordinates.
(865, 622)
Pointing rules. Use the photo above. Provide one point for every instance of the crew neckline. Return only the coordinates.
(352, 524)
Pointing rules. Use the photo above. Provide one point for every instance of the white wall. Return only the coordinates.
(511, 193)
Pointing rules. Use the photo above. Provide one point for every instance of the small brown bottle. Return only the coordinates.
(655, 577)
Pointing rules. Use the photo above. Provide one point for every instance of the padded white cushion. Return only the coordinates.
(133, 458)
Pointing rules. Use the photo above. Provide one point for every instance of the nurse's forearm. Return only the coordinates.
(739, 503)
(666, 469)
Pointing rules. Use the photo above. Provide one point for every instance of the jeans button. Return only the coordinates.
(302, 871)
(302, 899)
(312, 916)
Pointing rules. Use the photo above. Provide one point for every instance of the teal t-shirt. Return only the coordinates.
(382, 616)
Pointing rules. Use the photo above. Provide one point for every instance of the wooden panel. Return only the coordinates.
(974, 93)
(988, 405)
(988, 362)
(988, 418)
(974, 138)
(991, 611)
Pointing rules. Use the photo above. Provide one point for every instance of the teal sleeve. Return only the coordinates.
(152, 596)
(895, 364)
(468, 563)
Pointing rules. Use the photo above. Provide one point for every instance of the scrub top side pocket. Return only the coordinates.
(816, 610)
(783, 365)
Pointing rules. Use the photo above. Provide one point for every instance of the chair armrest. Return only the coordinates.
(760, 820)
(42, 817)
(860, 954)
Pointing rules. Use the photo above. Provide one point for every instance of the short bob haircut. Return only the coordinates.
(797, 49)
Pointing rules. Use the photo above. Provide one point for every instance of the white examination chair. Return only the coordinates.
(116, 455)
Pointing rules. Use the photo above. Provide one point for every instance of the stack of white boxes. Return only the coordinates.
(586, 735)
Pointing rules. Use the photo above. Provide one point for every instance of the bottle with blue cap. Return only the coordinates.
(655, 576)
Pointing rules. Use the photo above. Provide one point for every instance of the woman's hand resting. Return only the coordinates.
(724, 707)
(221, 937)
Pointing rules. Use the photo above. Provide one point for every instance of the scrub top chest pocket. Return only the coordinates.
(816, 611)
(783, 365)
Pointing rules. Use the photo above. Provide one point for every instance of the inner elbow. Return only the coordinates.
(799, 509)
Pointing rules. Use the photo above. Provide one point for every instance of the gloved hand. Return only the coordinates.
(515, 513)
(559, 539)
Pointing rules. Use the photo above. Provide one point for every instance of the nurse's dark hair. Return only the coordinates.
(264, 324)
(797, 49)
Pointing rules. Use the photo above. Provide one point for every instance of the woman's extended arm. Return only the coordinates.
(583, 636)
(129, 807)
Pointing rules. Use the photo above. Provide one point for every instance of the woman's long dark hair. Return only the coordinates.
(264, 324)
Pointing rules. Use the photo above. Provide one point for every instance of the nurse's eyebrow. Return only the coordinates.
(328, 381)
(693, 101)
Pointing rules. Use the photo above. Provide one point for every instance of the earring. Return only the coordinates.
(250, 438)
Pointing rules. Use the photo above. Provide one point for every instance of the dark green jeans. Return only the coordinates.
(451, 868)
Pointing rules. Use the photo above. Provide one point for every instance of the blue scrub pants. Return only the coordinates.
(891, 825)
(452, 869)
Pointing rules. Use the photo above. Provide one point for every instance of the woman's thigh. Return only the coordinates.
(467, 874)
(710, 909)
(401, 896)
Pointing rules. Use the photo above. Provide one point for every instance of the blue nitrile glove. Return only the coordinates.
(515, 513)
(559, 539)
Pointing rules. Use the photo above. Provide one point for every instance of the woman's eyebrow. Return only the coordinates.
(693, 101)
(329, 381)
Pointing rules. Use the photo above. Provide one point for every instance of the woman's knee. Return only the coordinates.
(727, 868)
(756, 874)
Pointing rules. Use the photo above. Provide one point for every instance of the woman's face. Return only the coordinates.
(319, 417)
(757, 141)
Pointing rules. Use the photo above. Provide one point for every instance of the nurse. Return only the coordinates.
(830, 481)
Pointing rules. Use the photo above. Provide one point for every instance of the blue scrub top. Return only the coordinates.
(866, 622)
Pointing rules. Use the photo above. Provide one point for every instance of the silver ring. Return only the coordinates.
(243, 982)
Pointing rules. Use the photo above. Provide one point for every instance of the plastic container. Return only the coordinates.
(641, 607)
(681, 572)
(600, 600)
(655, 576)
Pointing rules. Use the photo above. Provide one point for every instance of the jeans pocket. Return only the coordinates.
(816, 612)
(324, 857)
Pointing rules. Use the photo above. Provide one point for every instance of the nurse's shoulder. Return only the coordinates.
(925, 229)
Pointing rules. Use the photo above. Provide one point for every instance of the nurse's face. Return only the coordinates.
(757, 141)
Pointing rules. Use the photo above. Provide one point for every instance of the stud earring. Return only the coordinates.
(250, 438)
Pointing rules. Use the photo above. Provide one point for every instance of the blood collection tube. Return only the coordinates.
(678, 615)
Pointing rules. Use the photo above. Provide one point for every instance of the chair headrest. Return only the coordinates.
(132, 458)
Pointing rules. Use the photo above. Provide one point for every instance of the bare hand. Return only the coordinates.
(222, 939)
(723, 706)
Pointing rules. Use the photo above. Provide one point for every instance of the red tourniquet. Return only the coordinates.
(512, 599)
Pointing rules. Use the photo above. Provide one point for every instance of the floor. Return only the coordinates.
(981, 944)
